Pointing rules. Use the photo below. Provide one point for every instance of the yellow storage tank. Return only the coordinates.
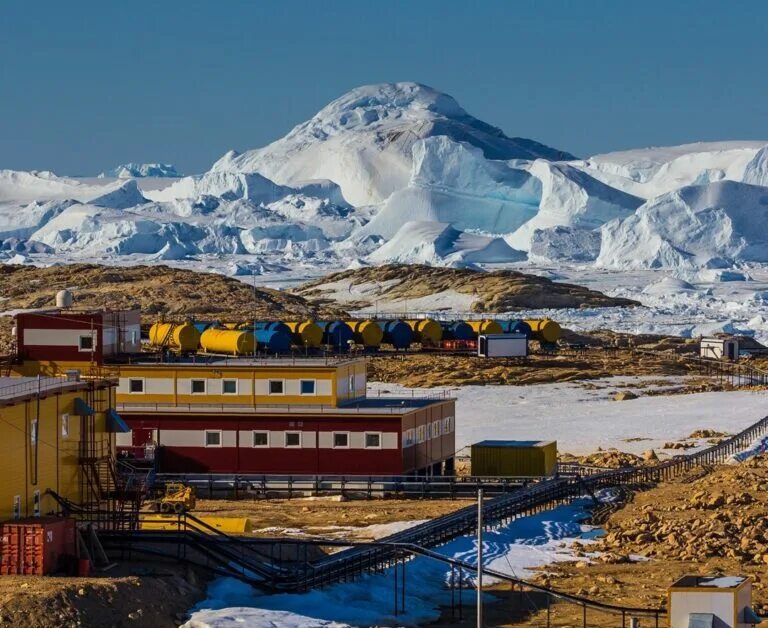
(181, 336)
(367, 333)
(545, 330)
(516, 458)
(229, 341)
(485, 326)
(306, 333)
(426, 331)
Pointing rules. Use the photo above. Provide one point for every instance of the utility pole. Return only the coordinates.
(479, 558)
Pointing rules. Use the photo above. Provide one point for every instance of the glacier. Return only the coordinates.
(400, 172)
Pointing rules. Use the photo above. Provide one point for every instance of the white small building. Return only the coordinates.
(717, 348)
(711, 602)
(502, 345)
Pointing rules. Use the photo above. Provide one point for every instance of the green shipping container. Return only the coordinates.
(518, 458)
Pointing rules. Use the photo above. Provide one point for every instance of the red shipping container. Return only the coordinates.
(36, 546)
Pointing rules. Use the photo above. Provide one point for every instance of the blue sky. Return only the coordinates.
(86, 85)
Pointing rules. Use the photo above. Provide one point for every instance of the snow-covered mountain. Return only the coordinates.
(135, 171)
(364, 141)
(400, 172)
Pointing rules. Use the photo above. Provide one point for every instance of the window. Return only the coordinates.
(64, 425)
(408, 438)
(198, 386)
(429, 431)
(447, 425)
(17, 507)
(341, 440)
(85, 343)
(307, 386)
(276, 386)
(352, 383)
(213, 438)
(37, 503)
(293, 439)
(260, 439)
(229, 386)
(435, 429)
(135, 386)
(420, 432)
(373, 440)
(33, 432)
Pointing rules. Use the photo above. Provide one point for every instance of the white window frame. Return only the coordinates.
(314, 387)
(92, 336)
(37, 503)
(365, 440)
(351, 383)
(269, 388)
(420, 434)
(285, 439)
(143, 381)
(428, 431)
(409, 438)
(221, 438)
(198, 379)
(333, 440)
(230, 379)
(436, 429)
(65, 425)
(34, 432)
(253, 439)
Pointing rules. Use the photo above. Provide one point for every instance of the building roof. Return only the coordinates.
(364, 406)
(514, 443)
(18, 388)
(207, 361)
(709, 582)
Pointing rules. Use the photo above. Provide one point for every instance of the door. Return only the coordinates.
(731, 350)
(143, 436)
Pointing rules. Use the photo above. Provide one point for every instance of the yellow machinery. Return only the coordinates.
(305, 334)
(426, 331)
(229, 341)
(485, 326)
(180, 336)
(545, 330)
(178, 498)
(367, 333)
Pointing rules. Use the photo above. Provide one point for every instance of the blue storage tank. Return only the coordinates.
(457, 330)
(336, 334)
(396, 333)
(201, 326)
(516, 326)
(273, 341)
(271, 326)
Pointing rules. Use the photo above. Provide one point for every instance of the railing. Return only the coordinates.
(435, 487)
(32, 387)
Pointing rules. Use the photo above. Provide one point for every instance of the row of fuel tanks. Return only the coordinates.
(272, 337)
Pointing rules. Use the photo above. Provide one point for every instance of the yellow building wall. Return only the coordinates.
(52, 462)
(170, 385)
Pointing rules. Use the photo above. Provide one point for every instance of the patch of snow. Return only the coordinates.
(515, 549)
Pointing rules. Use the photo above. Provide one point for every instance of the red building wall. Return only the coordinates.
(181, 438)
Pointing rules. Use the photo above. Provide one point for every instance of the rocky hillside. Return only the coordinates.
(160, 291)
(454, 288)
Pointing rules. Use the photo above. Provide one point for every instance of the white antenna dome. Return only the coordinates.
(64, 298)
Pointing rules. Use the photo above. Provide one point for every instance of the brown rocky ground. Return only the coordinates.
(438, 370)
(703, 523)
(159, 597)
(318, 516)
(160, 291)
(498, 291)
